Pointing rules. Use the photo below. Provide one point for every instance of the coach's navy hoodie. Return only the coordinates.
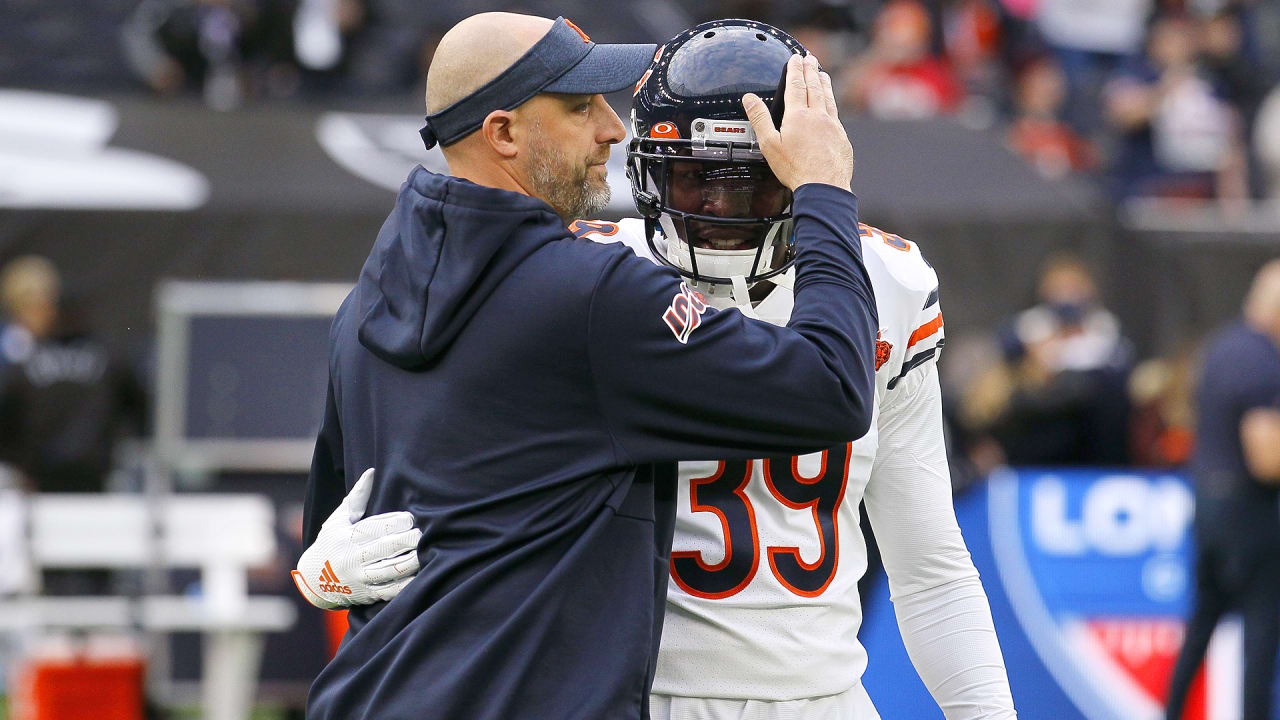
(523, 393)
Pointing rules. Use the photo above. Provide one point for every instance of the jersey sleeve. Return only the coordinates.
(925, 338)
(678, 379)
(942, 610)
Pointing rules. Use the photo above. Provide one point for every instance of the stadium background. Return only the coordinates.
(243, 141)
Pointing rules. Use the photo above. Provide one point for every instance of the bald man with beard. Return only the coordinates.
(570, 177)
(525, 394)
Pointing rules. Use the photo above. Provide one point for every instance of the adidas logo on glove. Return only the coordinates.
(329, 581)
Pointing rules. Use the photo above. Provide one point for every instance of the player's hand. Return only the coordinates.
(355, 561)
(812, 145)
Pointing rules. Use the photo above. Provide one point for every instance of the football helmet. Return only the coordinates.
(695, 167)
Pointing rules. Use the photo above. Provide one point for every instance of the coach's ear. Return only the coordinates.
(500, 132)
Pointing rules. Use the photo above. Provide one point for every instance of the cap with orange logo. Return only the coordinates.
(565, 61)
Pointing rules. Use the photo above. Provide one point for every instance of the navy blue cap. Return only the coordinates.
(563, 61)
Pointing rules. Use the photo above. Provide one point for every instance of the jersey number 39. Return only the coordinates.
(724, 493)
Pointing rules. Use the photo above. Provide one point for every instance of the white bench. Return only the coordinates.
(221, 535)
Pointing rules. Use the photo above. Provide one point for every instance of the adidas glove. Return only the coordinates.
(358, 562)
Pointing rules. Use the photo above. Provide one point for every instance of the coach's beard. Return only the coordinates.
(568, 188)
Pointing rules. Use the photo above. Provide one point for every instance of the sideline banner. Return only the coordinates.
(1088, 574)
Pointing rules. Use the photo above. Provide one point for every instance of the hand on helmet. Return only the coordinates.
(355, 561)
(812, 145)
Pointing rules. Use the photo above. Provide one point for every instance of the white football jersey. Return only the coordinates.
(763, 599)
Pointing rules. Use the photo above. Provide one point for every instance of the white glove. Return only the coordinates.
(358, 562)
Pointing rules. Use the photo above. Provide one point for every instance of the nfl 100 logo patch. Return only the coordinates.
(685, 313)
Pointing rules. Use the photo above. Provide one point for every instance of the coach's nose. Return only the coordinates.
(611, 130)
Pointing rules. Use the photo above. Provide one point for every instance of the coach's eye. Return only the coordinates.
(584, 107)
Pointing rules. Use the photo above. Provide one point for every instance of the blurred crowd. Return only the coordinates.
(1156, 98)
(1060, 385)
(1165, 98)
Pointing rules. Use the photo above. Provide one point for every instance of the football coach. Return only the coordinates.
(524, 394)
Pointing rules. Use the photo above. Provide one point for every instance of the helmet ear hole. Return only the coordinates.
(647, 203)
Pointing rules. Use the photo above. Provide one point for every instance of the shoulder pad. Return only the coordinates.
(906, 289)
(901, 261)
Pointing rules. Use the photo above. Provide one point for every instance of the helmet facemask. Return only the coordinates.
(726, 217)
(695, 166)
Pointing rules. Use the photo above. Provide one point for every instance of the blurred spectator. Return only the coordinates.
(1161, 430)
(63, 400)
(1229, 66)
(227, 49)
(1090, 39)
(1266, 138)
(1038, 132)
(972, 35)
(1179, 136)
(386, 44)
(319, 27)
(1058, 398)
(828, 34)
(898, 77)
(1236, 468)
(1229, 52)
(29, 291)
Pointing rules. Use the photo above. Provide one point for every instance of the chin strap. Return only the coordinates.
(742, 297)
(668, 232)
(769, 239)
(786, 280)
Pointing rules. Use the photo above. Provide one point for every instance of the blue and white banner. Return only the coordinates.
(1088, 573)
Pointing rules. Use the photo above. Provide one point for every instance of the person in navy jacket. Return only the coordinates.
(1236, 467)
(524, 394)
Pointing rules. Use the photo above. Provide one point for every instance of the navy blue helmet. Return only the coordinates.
(695, 168)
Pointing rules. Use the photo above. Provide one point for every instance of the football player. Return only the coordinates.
(763, 611)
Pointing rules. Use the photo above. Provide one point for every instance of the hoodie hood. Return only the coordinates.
(447, 244)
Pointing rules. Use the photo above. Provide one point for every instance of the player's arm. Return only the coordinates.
(942, 610)
(1260, 441)
(676, 379)
(1256, 391)
(349, 561)
(356, 560)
